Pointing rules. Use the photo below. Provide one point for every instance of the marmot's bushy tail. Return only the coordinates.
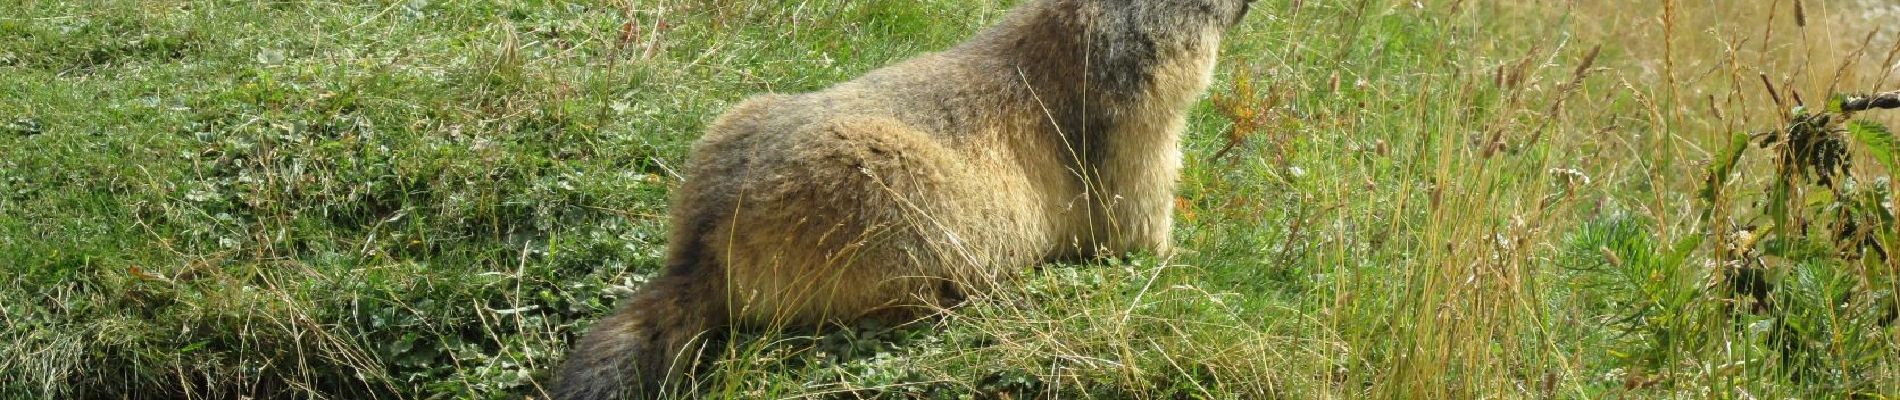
(646, 348)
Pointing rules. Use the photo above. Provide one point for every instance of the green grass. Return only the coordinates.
(431, 199)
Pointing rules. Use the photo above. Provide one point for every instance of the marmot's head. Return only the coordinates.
(1168, 22)
(1121, 44)
(1233, 10)
(1190, 13)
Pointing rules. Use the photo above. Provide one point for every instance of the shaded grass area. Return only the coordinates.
(1383, 199)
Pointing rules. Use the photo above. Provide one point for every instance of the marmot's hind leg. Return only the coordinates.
(876, 221)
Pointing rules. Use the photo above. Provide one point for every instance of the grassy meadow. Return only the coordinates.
(1459, 199)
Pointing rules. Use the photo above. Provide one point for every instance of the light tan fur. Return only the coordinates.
(1051, 136)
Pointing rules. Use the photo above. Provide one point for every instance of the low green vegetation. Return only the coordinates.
(1384, 199)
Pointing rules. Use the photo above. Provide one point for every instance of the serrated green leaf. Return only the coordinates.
(1878, 140)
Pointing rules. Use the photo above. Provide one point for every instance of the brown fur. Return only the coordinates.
(1051, 136)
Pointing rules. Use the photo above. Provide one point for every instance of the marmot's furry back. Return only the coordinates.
(1051, 136)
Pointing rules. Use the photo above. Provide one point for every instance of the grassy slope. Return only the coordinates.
(428, 199)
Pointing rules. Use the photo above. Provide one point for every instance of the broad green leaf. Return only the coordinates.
(1722, 165)
(1683, 248)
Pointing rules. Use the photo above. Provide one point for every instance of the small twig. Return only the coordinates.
(669, 170)
(1885, 101)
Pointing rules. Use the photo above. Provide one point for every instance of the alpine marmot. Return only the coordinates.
(1051, 136)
